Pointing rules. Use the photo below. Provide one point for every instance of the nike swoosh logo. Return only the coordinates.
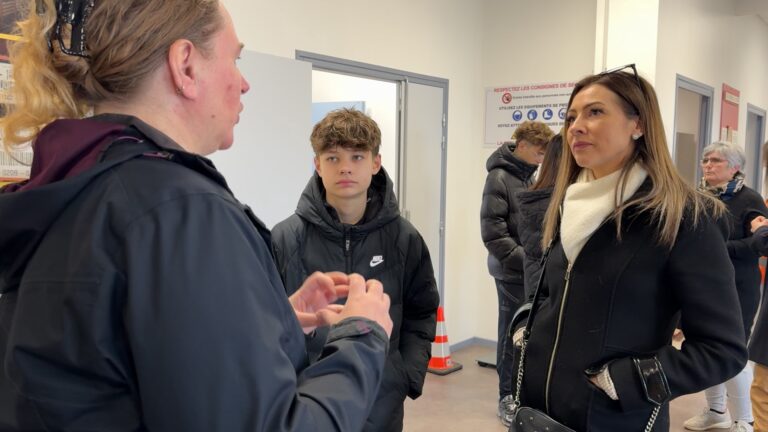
(374, 263)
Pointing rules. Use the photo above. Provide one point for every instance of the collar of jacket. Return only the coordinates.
(312, 208)
(505, 159)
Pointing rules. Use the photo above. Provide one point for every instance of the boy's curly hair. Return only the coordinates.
(536, 133)
(347, 128)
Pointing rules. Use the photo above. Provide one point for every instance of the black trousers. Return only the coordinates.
(510, 298)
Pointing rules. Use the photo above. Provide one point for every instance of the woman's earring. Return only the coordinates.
(636, 136)
(180, 90)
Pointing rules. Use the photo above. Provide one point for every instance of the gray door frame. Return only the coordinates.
(365, 70)
(752, 109)
(707, 94)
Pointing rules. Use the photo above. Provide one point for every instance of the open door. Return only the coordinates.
(422, 162)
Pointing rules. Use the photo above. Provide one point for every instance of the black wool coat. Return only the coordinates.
(620, 299)
(530, 224)
(758, 343)
(744, 250)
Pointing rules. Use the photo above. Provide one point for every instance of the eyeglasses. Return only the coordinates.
(713, 160)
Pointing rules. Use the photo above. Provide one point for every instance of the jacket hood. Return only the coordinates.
(382, 206)
(504, 159)
(65, 153)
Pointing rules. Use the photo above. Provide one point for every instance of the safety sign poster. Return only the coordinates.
(507, 107)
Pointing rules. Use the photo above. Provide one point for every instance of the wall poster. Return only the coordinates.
(507, 107)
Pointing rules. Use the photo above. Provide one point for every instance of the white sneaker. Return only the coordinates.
(709, 420)
(741, 426)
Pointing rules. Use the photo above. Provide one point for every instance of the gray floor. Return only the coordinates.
(466, 400)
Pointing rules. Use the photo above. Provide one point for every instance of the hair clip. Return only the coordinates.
(74, 14)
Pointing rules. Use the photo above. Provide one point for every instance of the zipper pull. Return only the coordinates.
(568, 272)
(347, 241)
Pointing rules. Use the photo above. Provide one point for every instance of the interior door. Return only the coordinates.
(422, 195)
(270, 161)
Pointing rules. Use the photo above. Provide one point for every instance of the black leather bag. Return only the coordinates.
(527, 419)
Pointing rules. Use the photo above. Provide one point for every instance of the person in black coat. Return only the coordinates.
(758, 343)
(723, 179)
(533, 204)
(348, 220)
(137, 292)
(625, 235)
(510, 170)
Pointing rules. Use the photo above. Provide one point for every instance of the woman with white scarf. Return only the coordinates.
(631, 246)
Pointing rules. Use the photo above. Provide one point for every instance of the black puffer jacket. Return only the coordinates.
(507, 175)
(140, 295)
(382, 246)
(530, 222)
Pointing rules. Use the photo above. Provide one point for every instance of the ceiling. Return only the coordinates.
(752, 7)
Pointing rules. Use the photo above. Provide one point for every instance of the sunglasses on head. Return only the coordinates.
(637, 81)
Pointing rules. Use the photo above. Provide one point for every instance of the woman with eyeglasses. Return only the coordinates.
(723, 178)
(630, 246)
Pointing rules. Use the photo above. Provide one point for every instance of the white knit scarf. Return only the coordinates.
(588, 202)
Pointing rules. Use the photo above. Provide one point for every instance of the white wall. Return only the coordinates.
(631, 35)
(523, 42)
(704, 40)
(441, 38)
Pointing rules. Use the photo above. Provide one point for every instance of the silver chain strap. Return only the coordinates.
(516, 400)
(652, 420)
(520, 369)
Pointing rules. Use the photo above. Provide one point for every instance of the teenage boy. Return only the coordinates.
(348, 220)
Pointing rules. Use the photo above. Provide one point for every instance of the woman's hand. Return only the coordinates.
(758, 222)
(366, 299)
(317, 293)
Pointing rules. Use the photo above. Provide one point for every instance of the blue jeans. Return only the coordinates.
(510, 298)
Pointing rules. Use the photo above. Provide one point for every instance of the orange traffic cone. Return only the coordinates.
(441, 363)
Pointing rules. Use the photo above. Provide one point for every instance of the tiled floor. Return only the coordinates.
(465, 401)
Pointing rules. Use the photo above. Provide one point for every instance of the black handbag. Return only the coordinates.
(527, 419)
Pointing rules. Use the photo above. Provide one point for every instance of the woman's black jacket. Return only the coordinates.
(744, 251)
(620, 300)
(140, 295)
(533, 205)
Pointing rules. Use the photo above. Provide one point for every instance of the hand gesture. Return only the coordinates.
(366, 300)
(318, 292)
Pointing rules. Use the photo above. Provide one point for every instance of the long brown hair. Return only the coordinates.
(126, 42)
(670, 197)
(548, 169)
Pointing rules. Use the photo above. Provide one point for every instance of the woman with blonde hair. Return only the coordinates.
(630, 246)
(137, 292)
